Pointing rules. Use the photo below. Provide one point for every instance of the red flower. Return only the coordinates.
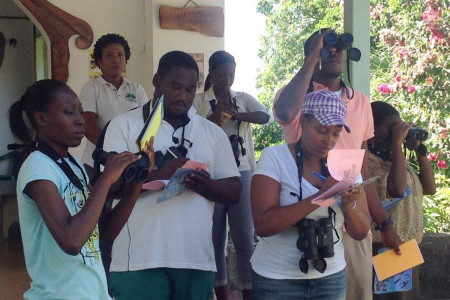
(384, 89)
(441, 164)
(430, 15)
(412, 89)
(437, 36)
(443, 134)
(398, 77)
(432, 156)
(404, 53)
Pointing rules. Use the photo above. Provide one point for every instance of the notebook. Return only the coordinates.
(388, 264)
(152, 124)
(400, 282)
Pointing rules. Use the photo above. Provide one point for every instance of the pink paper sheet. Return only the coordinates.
(324, 203)
(192, 164)
(345, 164)
(155, 185)
(324, 200)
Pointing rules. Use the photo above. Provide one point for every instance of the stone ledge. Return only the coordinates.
(434, 274)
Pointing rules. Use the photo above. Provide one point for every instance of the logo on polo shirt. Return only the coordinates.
(131, 97)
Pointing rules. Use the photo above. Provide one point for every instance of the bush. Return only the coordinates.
(410, 69)
(410, 66)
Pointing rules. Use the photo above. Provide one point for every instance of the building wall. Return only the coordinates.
(192, 42)
(138, 22)
(16, 72)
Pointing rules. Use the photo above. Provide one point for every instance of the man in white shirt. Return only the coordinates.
(164, 250)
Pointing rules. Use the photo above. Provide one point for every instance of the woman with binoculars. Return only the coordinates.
(287, 263)
(58, 211)
(234, 112)
(398, 180)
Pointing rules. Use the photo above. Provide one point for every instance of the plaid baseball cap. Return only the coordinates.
(326, 107)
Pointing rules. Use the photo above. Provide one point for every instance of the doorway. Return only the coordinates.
(24, 61)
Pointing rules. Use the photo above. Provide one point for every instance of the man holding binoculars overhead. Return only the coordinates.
(322, 68)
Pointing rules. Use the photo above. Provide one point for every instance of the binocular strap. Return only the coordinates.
(213, 105)
(44, 148)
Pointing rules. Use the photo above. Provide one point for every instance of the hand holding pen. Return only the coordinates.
(328, 182)
(321, 177)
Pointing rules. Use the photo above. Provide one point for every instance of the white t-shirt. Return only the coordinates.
(54, 273)
(245, 103)
(104, 99)
(176, 233)
(277, 256)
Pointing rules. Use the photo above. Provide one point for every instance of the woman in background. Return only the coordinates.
(234, 112)
(387, 160)
(58, 212)
(110, 94)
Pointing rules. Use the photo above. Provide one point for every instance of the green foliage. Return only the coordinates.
(289, 24)
(410, 64)
(410, 69)
(437, 207)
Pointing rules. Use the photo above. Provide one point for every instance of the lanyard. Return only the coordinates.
(63, 165)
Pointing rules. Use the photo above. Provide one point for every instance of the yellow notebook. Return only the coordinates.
(388, 264)
(152, 124)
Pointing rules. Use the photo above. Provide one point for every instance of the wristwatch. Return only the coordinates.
(383, 224)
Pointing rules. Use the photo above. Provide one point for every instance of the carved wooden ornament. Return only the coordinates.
(59, 26)
(208, 20)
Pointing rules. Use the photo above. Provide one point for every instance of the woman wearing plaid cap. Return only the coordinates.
(285, 181)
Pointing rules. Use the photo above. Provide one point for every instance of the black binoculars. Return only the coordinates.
(137, 171)
(340, 42)
(414, 135)
(316, 242)
(235, 141)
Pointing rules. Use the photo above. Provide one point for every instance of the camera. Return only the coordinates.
(340, 42)
(235, 141)
(316, 242)
(162, 159)
(414, 135)
(137, 171)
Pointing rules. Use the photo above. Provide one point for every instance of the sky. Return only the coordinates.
(243, 28)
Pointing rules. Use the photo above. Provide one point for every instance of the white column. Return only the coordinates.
(357, 22)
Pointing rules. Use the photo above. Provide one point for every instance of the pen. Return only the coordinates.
(173, 154)
(323, 178)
